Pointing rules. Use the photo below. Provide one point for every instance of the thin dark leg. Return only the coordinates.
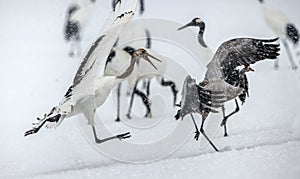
(225, 118)
(203, 132)
(145, 101)
(120, 136)
(290, 56)
(148, 88)
(131, 101)
(118, 102)
(142, 7)
(197, 133)
(225, 128)
(173, 88)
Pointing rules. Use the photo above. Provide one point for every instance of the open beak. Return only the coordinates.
(146, 57)
(185, 26)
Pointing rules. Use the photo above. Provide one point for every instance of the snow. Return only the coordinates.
(264, 137)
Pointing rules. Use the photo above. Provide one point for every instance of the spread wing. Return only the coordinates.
(240, 52)
(92, 63)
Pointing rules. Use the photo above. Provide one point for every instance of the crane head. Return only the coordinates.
(196, 22)
(143, 54)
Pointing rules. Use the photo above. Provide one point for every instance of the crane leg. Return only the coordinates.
(203, 133)
(142, 7)
(225, 118)
(197, 132)
(75, 45)
(148, 88)
(131, 101)
(145, 101)
(72, 48)
(290, 56)
(118, 102)
(144, 86)
(173, 88)
(276, 64)
(119, 136)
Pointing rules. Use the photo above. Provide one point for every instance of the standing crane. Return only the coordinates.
(232, 76)
(76, 17)
(283, 28)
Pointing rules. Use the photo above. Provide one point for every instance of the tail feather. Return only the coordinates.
(292, 33)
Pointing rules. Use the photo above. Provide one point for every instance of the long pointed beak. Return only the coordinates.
(146, 57)
(185, 26)
(154, 57)
(148, 60)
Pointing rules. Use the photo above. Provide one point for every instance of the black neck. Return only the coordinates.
(201, 34)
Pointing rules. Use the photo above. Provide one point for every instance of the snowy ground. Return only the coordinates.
(264, 139)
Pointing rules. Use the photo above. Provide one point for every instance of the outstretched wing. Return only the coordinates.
(241, 52)
(92, 63)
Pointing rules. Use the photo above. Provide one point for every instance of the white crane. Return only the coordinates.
(77, 14)
(214, 91)
(88, 91)
(118, 59)
(283, 28)
(232, 76)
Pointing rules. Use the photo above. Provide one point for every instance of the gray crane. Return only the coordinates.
(232, 54)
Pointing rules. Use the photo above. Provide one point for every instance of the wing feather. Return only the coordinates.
(92, 63)
(240, 52)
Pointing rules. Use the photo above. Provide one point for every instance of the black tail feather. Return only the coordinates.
(292, 33)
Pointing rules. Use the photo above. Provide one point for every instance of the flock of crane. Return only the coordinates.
(225, 77)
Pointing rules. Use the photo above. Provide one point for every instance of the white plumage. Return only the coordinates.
(87, 86)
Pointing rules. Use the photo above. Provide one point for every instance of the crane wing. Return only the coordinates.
(196, 99)
(240, 52)
(92, 63)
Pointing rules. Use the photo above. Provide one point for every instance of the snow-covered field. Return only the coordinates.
(264, 137)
